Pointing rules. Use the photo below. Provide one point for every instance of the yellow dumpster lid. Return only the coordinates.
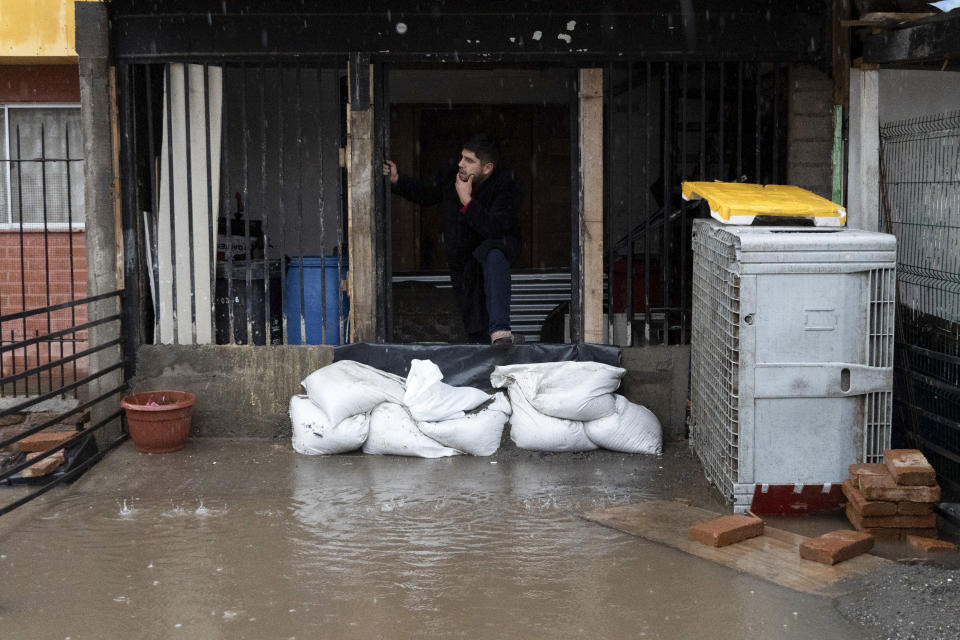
(740, 202)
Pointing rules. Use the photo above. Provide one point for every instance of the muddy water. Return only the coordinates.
(245, 540)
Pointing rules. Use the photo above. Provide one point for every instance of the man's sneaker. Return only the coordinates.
(506, 340)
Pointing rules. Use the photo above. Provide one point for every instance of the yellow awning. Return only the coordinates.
(740, 203)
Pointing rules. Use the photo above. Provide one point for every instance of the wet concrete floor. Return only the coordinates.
(247, 539)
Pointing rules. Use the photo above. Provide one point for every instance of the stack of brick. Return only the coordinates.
(895, 499)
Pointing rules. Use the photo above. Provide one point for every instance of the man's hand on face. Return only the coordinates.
(390, 169)
(464, 189)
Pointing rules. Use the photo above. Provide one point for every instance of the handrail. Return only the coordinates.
(57, 307)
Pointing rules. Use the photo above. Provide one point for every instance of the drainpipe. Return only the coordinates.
(102, 228)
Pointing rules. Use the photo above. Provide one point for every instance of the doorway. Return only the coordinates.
(432, 111)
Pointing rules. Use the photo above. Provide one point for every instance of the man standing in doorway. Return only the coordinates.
(481, 230)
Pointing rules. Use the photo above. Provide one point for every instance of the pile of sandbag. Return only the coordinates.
(349, 405)
(571, 406)
(552, 406)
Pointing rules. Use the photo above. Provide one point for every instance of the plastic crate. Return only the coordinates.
(791, 355)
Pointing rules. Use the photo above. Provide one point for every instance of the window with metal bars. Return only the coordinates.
(41, 165)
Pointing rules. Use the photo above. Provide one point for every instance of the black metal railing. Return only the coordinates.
(60, 353)
(668, 122)
(235, 170)
(86, 393)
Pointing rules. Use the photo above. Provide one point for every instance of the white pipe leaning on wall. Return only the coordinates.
(173, 252)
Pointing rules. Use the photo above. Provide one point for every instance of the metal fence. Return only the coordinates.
(42, 249)
(920, 190)
(235, 169)
(669, 122)
(22, 459)
(60, 357)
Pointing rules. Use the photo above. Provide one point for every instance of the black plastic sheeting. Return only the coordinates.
(470, 365)
(77, 455)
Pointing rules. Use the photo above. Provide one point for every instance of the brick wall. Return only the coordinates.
(810, 134)
(24, 278)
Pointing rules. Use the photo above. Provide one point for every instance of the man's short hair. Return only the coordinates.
(485, 147)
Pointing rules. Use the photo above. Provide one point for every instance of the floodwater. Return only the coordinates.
(246, 539)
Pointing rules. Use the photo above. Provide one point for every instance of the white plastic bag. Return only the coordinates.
(530, 429)
(568, 390)
(429, 399)
(393, 432)
(313, 433)
(346, 388)
(477, 433)
(632, 428)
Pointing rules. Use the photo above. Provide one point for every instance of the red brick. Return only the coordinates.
(871, 475)
(37, 418)
(886, 534)
(12, 419)
(725, 530)
(10, 432)
(867, 507)
(914, 508)
(876, 483)
(902, 494)
(889, 522)
(46, 466)
(909, 467)
(44, 440)
(930, 545)
(836, 546)
(881, 534)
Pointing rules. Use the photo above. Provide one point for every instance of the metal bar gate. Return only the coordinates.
(60, 355)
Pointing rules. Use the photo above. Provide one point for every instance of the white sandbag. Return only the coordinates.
(393, 432)
(477, 433)
(632, 428)
(346, 388)
(429, 399)
(568, 390)
(313, 433)
(530, 429)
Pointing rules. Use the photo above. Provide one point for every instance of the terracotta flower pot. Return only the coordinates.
(159, 421)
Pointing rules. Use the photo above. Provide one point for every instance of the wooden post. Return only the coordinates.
(863, 184)
(361, 221)
(591, 221)
(841, 92)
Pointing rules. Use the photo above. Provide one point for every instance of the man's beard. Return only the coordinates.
(464, 176)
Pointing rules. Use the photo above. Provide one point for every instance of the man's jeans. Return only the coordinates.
(496, 287)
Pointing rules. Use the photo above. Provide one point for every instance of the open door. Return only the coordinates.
(432, 110)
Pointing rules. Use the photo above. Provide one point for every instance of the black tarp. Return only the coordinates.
(470, 365)
(77, 455)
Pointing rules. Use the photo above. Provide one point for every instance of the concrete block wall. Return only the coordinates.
(28, 289)
(244, 391)
(658, 377)
(810, 130)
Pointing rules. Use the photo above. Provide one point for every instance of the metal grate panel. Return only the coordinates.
(726, 261)
(920, 185)
(879, 406)
(715, 356)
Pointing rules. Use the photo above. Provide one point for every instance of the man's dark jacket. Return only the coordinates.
(490, 221)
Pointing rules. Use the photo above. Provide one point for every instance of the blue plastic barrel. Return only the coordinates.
(323, 302)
